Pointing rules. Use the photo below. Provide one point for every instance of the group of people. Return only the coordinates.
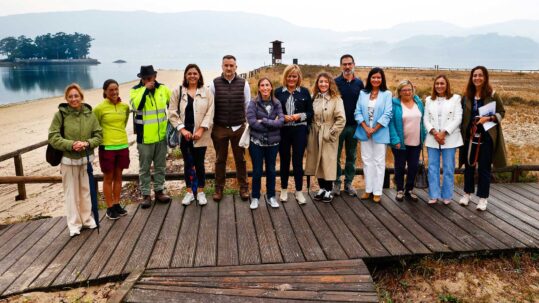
(289, 120)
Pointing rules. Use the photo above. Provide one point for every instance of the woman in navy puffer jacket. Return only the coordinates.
(265, 118)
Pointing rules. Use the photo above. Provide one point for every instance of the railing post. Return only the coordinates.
(515, 174)
(19, 172)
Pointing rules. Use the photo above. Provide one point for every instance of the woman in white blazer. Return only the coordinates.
(443, 115)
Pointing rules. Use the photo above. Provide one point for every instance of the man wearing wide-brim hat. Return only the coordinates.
(149, 102)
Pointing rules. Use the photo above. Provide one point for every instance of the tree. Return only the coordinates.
(8, 47)
(26, 48)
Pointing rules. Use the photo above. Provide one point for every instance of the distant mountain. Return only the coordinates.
(171, 40)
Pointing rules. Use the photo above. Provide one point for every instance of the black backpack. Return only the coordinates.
(52, 155)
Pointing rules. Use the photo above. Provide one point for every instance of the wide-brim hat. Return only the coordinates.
(146, 71)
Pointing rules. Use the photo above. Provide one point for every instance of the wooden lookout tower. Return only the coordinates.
(276, 52)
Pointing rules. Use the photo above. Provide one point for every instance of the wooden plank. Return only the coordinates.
(515, 195)
(373, 247)
(290, 249)
(514, 208)
(227, 243)
(119, 294)
(357, 263)
(331, 247)
(206, 251)
(19, 237)
(47, 276)
(105, 250)
(43, 227)
(417, 230)
(14, 230)
(507, 217)
(464, 235)
(531, 193)
(391, 244)
(145, 244)
(533, 184)
(305, 236)
(3, 229)
(263, 293)
(72, 270)
(247, 241)
(52, 229)
(160, 296)
(529, 187)
(330, 270)
(184, 253)
(265, 233)
(396, 228)
(433, 225)
(364, 287)
(477, 224)
(472, 228)
(116, 263)
(166, 242)
(504, 231)
(23, 281)
(345, 237)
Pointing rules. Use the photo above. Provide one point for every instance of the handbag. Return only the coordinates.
(52, 155)
(173, 136)
(421, 178)
(245, 137)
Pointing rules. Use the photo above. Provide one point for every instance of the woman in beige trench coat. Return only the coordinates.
(323, 139)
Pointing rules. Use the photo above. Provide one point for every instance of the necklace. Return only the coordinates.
(374, 95)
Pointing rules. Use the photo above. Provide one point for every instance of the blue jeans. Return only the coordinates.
(448, 158)
(259, 155)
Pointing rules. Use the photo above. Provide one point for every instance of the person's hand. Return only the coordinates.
(296, 117)
(149, 85)
(398, 146)
(186, 134)
(369, 131)
(287, 118)
(483, 120)
(198, 134)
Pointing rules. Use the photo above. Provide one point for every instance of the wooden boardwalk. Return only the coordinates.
(39, 255)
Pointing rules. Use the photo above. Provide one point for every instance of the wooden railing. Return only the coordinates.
(20, 179)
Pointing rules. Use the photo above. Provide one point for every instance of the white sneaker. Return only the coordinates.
(254, 203)
(464, 200)
(273, 202)
(300, 198)
(73, 233)
(482, 205)
(284, 195)
(201, 198)
(188, 198)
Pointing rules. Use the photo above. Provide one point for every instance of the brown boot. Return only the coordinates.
(161, 197)
(218, 194)
(244, 193)
(146, 202)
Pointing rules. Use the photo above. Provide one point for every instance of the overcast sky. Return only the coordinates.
(335, 14)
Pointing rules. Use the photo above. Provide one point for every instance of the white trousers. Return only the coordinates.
(373, 156)
(77, 197)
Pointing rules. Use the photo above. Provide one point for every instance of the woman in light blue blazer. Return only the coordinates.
(373, 113)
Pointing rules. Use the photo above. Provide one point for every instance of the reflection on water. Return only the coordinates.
(46, 78)
(31, 82)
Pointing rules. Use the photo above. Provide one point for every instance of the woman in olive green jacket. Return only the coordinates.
(81, 134)
(490, 142)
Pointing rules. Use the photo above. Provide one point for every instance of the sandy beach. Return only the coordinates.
(27, 123)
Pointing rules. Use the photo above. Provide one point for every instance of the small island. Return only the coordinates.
(119, 61)
(60, 48)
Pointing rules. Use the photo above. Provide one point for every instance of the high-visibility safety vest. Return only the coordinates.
(150, 112)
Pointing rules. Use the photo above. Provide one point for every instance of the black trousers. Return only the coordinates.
(193, 155)
(295, 138)
(484, 167)
(408, 156)
(325, 184)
